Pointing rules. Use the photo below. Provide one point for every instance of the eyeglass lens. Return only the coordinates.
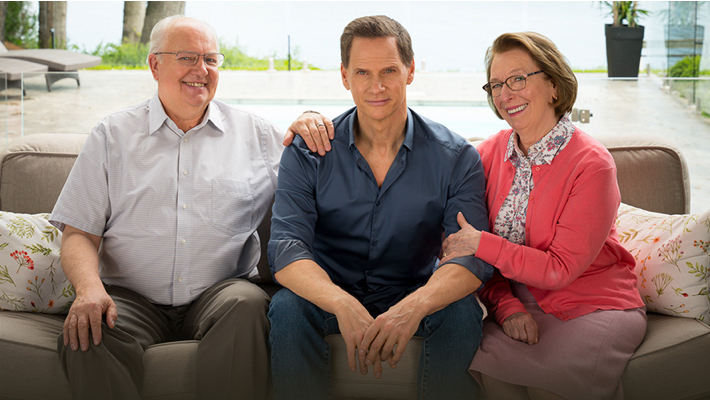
(190, 58)
(515, 82)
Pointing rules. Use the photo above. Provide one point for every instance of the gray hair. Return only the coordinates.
(160, 32)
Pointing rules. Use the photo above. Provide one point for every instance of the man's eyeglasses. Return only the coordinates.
(190, 58)
(515, 82)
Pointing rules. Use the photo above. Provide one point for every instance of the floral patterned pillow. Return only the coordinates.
(672, 259)
(31, 275)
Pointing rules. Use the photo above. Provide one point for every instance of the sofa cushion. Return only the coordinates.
(672, 260)
(398, 383)
(170, 371)
(31, 275)
(28, 350)
(673, 352)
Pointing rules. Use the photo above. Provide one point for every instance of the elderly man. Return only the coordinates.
(159, 217)
(356, 233)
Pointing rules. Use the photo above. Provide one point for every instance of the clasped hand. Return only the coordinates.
(381, 339)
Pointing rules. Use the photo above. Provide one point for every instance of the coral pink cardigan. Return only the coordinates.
(572, 262)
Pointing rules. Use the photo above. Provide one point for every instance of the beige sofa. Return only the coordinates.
(672, 362)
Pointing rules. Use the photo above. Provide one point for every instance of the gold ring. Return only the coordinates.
(444, 254)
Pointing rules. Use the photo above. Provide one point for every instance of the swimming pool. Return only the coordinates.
(467, 120)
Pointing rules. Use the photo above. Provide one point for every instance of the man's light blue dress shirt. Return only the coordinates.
(177, 210)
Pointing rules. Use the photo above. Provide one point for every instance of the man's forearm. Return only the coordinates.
(308, 280)
(80, 259)
(450, 283)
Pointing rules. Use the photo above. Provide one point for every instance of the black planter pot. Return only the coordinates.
(623, 50)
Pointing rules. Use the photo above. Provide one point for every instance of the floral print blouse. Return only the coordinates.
(510, 222)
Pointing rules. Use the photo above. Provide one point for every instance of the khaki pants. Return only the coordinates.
(229, 319)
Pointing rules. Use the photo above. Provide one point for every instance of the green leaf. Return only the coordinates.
(49, 233)
(38, 248)
(21, 227)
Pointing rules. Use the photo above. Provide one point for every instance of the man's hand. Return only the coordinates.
(462, 243)
(85, 315)
(521, 326)
(316, 130)
(353, 323)
(389, 335)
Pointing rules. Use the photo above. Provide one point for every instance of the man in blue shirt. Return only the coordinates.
(356, 234)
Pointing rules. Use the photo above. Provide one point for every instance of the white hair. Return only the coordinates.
(160, 31)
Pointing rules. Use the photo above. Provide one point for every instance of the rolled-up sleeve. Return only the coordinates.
(294, 212)
(467, 195)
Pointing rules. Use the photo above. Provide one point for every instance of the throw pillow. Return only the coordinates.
(672, 259)
(31, 275)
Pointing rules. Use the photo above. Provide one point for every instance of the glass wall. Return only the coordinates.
(678, 47)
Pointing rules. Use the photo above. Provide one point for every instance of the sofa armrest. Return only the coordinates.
(652, 173)
(33, 170)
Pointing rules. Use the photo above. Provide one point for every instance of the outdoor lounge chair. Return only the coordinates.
(13, 71)
(65, 62)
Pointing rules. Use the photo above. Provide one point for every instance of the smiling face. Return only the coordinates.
(530, 112)
(185, 91)
(378, 79)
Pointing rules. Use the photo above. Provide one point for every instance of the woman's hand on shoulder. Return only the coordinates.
(315, 129)
(521, 326)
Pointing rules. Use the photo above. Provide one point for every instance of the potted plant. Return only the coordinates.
(624, 40)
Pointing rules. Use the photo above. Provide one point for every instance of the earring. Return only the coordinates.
(554, 97)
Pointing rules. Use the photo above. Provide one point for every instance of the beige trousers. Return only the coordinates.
(229, 319)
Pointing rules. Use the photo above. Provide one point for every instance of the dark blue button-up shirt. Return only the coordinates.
(377, 243)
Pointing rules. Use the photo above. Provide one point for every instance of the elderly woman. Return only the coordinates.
(567, 313)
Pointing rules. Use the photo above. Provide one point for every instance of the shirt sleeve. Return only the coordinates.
(271, 142)
(294, 212)
(84, 201)
(467, 191)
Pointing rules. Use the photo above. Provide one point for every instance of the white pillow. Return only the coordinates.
(672, 259)
(31, 275)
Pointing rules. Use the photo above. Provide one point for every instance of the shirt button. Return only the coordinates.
(184, 206)
(377, 204)
(183, 241)
(179, 278)
(186, 140)
(369, 273)
(537, 169)
(374, 242)
(184, 172)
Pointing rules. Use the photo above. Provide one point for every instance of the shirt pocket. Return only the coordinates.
(232, 206)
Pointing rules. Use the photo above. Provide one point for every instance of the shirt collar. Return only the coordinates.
(545, 150)
(408, 129)
(157, 116)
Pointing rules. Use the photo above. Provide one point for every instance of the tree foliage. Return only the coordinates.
(21, 24)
